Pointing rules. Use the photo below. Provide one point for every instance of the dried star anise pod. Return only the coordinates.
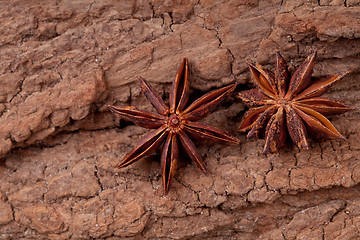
(176, 125)
(293, 106)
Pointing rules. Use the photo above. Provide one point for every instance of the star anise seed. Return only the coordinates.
(283, 106)
(176, 125)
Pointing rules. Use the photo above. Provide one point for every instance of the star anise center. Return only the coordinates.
(282, 102)
(174, 121)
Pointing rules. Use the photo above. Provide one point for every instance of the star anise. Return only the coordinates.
(293, 106)
(175, 125)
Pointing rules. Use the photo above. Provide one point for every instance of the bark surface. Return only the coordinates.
(61, 64)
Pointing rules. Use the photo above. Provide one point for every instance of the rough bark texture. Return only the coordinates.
(61, 64)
